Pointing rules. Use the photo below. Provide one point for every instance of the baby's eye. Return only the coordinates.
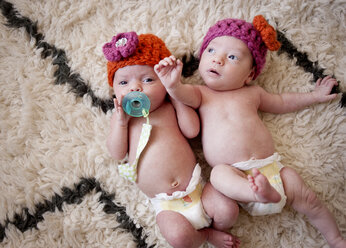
(148, 80)
(211, 50)
(122, 83)
(232, 57)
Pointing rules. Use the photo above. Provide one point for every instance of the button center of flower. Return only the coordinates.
(121, 42)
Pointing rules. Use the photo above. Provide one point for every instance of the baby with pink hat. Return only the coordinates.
(236, 143)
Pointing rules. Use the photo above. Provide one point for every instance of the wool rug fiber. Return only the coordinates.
(59, 186)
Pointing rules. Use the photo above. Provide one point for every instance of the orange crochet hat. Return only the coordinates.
(127, 49)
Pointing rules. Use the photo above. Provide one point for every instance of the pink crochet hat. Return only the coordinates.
(258, 37)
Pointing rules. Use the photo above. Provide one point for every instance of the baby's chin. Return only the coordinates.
(155, 105)
(219, 85)
(215, 86)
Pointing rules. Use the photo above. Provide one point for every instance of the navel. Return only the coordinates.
(175, 184)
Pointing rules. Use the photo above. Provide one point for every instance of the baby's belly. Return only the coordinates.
(165, 172)
(228, 146)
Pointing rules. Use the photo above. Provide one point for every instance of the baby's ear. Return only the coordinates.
(250, 76)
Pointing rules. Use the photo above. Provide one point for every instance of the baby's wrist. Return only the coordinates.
(173, 88)
(316, 97)
(172, 92)
(313, 95)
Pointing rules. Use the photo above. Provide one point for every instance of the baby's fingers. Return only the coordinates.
(329, 80)
(169, 60)
(117, 107)
(331, 97)
(157, 68)
(318, 82)
(333, 81)
(160, 67)
(115, 101)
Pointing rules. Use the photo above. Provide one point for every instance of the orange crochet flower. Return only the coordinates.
(267, 32)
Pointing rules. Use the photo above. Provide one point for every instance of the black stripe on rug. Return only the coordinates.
(26, 221)
(303, 61)
(63, 74)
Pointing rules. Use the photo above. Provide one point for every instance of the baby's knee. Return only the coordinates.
(228, 208)
(226, 215)
(308, 202)
(180, 238)
(176, 229)
(311, 199)
(215, 173)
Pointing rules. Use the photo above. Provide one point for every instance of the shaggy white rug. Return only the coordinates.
(58, 185)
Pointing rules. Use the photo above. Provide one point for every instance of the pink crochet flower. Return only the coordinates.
(121, 46)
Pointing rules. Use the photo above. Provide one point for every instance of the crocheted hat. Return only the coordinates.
(258, 37)
(129, 49)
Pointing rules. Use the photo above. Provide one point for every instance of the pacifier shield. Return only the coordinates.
(135, 102)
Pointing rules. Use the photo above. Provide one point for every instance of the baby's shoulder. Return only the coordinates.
(253, 89)
(250, 94)
(166, 105)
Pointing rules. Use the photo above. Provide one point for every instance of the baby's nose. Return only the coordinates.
(136, 87)
(218, 60)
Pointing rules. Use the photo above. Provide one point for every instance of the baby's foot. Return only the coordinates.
(261, 187)
(222, 239)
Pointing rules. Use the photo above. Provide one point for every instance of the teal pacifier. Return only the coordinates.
(136, 104)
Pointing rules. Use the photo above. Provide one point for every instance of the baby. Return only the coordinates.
(157, 155)
(235, 141)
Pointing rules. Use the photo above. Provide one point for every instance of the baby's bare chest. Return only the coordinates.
(223, 107)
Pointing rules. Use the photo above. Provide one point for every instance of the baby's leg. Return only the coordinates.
(179, 232)
(224, 212)
(234, 184)
(305, 201)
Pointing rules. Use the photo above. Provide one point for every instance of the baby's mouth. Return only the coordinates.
(214, 72)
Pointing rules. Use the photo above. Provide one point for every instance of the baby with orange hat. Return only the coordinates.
(148, 138)
(235, 141)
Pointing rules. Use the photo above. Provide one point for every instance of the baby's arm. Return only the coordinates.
(188, 119)
(117, 141)
(289, 102)
(169, 71)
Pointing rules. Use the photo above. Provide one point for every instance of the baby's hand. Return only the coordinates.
(169, 71)
(323, 88)
(119, 116)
